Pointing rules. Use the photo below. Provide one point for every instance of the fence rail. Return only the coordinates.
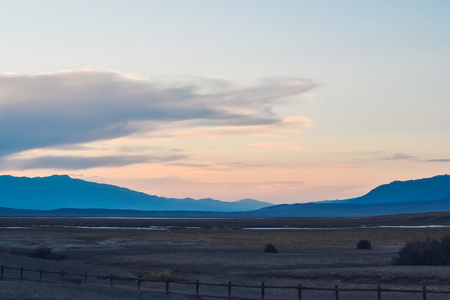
(192, 289)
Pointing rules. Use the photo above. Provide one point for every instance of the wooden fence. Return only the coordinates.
(193, 289)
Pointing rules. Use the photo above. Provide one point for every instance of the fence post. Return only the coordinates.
(336, 291)
(197, 288)
(111, 279)
(62, 276)
(85, 278)
(167, 286)
(299, 288)
(379, 292)
(21, 273)
(40, 275)
(424, 292)
(139, 282)
(263, 292)
(2, 271)
(229, 290)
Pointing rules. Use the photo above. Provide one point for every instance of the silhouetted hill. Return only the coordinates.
(64, 196)
(108, 213)
(427, 189)
(398, 197)
(61, 191)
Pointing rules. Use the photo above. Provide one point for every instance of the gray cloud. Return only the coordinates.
(400, 156)
(81, 162)
(71, 107)
(404, 156)
(437, 160)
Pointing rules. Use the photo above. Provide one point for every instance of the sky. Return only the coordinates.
(276, 100)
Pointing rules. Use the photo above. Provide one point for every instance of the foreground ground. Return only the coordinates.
(313, 252)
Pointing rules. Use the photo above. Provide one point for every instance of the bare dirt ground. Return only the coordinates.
(311, 252)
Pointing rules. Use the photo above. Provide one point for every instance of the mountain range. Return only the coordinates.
(398, 197)
(62, 192)
(60, 195)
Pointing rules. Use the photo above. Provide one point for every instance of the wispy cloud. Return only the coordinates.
(437, 160)
(282, 185)
(400, 156)
(81, 162)
(413, 158)
(284, 126)
(277, 145)
(73, 107)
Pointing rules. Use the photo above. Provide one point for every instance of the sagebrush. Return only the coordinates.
(428, 252)
(40, 251)
(364, 244)
(269, 248)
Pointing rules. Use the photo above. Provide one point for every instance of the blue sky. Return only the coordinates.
(284, 101)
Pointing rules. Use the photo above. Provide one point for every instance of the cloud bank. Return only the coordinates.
(75, 107)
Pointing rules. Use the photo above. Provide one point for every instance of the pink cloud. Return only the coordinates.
(286, 126)
(277, 145)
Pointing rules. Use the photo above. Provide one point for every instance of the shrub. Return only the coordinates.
(160, 274)
(40, 252)
(428, 252)
(445, 248)
(364, 244)
(44, 252)
(269, 248)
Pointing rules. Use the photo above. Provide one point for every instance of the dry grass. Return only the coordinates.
(221, 250)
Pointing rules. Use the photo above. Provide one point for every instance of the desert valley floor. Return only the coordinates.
(314, 252)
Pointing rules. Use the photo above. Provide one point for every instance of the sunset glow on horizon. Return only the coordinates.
(279, 101)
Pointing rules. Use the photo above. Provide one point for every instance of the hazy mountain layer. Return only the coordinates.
(61, 191)
(427, 189)
(412, 196)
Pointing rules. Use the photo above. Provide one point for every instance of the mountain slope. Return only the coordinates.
(412, 196)
(426, 189)
(61, 191)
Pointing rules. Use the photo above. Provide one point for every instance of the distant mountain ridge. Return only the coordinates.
(60, 195)
(426, 189)
(398, 197)
(62, 191)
